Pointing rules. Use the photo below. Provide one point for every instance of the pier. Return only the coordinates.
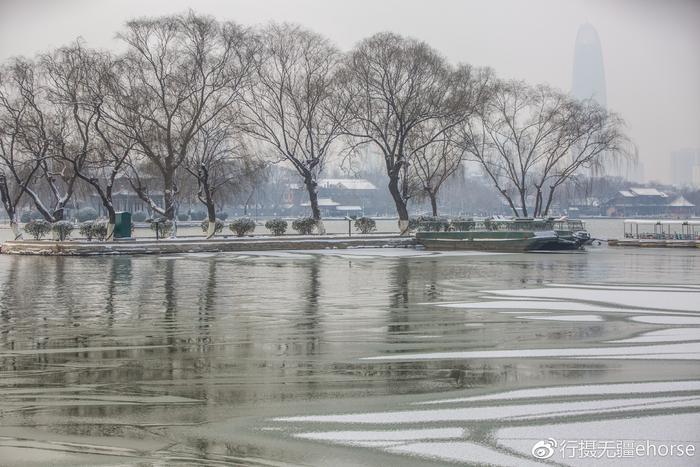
(653, 233)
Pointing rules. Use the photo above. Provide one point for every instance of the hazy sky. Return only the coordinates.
(651, 48)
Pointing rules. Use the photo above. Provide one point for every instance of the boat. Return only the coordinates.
(508, 235)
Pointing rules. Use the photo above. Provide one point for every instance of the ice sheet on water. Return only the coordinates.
(462, 451)
(683, 351)
(504, 412)
(583, 318)
(685, 300)
(536, 305)
(667, 319)
(385, 435)
(664, 335)
(585, 390)
(655, 428)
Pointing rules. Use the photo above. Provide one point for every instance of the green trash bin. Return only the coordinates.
(122, 225)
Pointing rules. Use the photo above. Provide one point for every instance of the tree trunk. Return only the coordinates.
(523, 203)
(211, 217)
(401, 208)
(14, 225)
(550, 197)
(112, 220)
(312, 188)
(433, 202)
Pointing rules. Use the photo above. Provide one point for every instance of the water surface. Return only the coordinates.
(340, 357)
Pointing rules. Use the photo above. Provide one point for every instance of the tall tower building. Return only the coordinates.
(589, 73)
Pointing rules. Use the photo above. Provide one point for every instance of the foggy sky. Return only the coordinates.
(651, 49)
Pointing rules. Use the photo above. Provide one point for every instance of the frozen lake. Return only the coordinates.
(356, 357)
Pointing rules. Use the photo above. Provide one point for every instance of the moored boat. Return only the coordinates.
(509, 235)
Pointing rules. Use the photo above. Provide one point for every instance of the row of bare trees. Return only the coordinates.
(214, 101)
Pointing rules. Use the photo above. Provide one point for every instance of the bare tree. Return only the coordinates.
(35, 132)
(79, 82)
(517, 128)
(397, 87)
(179, 74)
(590, 138)
(221, 164)
(21, 165)
(433, 162)
(294, 105)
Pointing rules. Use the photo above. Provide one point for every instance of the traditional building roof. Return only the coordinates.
(681, 202)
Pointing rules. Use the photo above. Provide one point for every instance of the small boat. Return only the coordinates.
(509, 235)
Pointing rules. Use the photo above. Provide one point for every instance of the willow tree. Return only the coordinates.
(222, 165)
(294, 103)
(35, 129)
(435, 160)
(399, 87)
(526, 137)
(179, 73)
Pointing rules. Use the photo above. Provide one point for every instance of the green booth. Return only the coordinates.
(122, 225)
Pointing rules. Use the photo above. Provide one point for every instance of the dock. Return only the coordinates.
(657, 233)
(202, 245)
(653, 243)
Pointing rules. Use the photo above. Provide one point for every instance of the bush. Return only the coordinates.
(198, 215)
(242, 226)
(365, 225)
(62, 229)
(86, 229)
(86, 214)
(37, 228)
(218, 226)
(183, 217)
(304, 225)
(433, 224)
(222, 215)
(163, 227)
(276, 226)
(139, 216)
(99, 229)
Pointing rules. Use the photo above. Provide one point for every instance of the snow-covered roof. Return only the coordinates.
(322, 202)
(647, 192)
(347, 183)
(627, 194)
(348, 208)
(681, 202)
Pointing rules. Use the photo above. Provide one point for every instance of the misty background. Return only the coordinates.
(650, 48)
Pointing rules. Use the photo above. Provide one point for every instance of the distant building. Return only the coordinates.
(648, 202)
(685, 167)
(589, 72)
(337, 197)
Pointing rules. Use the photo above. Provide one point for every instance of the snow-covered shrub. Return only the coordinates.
(276, 226)
(365, 225)
(433, 224)
(87, 214)
(242, 226)
(99, 229)
(218, 226)
(304, 225)
(86, 230)
(163, 227)
(62, 229)
(37, 228)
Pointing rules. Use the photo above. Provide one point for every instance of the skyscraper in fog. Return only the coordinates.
(685, 167)
(589, 73)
